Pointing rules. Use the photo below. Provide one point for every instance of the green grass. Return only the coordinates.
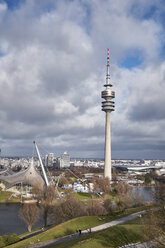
(63, 229)
(5, 195)
(82, 196)
(82, 223)
(111, 237)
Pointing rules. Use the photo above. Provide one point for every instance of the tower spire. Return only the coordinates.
(108, 84)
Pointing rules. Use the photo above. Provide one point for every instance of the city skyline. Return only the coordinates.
(53, 67)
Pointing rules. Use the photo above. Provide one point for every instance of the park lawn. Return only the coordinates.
(71, 226)
(5, 195)
(87, 197)
(63, 229)
(82, 196)
(111, 237)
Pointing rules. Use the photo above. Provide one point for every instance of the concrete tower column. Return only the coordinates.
(107, 170)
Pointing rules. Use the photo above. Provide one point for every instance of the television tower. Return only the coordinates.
(108, 107)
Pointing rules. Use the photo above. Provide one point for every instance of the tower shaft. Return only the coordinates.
(107, 165)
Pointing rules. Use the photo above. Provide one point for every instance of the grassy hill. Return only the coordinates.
(111, 237)
(82, 223)
(63, 229)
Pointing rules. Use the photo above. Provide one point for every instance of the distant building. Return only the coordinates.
(49, 160)
(78, 187)
(63, 161)
(160, 164)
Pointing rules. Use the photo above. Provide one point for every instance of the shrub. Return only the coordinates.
(102, 185)
(67, 209)
(123, 188)
(2, 242)
(108, 205)
(7, 240)
(147, 179)
(95, 209)
(12, 239)
(136, 200)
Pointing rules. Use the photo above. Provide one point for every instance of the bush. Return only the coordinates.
(7, 240)
(123, 188)
(67, 209)
(2, 242)
(102, 185)
(108, 205)
(95, 209)
(136, 200)
(12, 239)
(147, 179)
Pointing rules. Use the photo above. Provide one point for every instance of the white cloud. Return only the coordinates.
(113, 24)
(3, 8)
(53, 70)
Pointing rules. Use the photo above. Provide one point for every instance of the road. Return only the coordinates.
(86, 232)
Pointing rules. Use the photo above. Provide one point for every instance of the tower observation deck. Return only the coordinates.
(108, 106)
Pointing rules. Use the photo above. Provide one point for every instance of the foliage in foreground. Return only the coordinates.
(7, 240)
(154, 226)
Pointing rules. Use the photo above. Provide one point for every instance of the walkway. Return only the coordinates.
(86, 232)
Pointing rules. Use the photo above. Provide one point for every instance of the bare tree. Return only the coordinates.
(50, 196)
(108, 205)
(123, 188)
(62, 181)
(38, 192)
(45, 196)
(154, 227)
(29, 213)
(102, 184)
(95, 209)
(160, 193)
(67, 209)
(136, 200)
(154, 223)
(123, 197)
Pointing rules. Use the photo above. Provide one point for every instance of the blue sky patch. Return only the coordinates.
(150, 13)
(144, 13)
(2, 54)
(130, 62)
(13, 4)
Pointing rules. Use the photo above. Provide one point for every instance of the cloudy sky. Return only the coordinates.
(52, 72)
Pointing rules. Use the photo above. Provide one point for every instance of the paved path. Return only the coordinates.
(29, 235)
(86, 232)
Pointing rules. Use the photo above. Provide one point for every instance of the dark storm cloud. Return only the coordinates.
(148, 111)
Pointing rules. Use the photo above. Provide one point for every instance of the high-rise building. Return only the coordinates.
(49, 160)
(108, 107)
(63, 161)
